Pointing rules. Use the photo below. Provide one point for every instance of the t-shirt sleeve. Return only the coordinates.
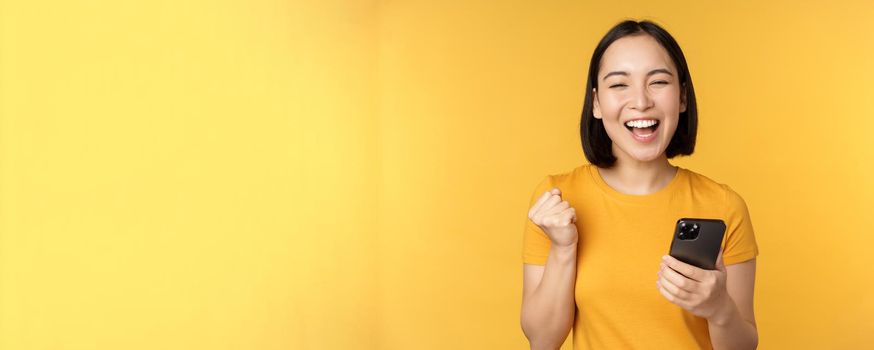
(740, 241)
(535, 242)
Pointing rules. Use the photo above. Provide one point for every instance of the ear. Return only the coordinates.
(683, 98)
(596, 106)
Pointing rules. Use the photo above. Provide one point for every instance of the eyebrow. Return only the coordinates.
(654, 71)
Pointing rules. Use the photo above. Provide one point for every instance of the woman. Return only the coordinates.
(595, 245)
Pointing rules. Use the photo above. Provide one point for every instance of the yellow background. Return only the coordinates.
(355, 174)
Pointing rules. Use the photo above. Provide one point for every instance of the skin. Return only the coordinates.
(647, 86)
(548, 291)
(650, 87)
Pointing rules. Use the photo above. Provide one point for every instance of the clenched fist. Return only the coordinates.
(556, 217)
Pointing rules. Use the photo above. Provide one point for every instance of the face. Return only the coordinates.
(638, 98)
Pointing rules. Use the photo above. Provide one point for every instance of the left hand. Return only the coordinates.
(701, 292)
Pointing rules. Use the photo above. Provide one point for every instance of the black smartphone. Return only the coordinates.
(697, 241)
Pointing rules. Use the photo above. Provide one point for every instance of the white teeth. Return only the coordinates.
(641, 123)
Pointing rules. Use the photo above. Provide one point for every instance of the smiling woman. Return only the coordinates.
(595, 238)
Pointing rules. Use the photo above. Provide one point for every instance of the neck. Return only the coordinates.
(631, 176)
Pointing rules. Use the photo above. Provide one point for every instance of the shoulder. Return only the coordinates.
(563, 180)
(570, 176)
(574, 183)
(701, 182)
(708, 187)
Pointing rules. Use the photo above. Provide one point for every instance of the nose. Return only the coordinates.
(641, 100)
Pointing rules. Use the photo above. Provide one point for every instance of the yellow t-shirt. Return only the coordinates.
(622, 239)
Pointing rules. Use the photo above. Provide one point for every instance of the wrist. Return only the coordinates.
(724, 313)
(565, 251)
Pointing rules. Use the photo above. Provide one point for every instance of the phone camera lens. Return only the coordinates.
(688, 232)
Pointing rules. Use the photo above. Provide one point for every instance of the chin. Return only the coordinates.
(646, 154)
(646, 158)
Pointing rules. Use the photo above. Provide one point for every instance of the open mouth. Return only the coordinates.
(643, 129)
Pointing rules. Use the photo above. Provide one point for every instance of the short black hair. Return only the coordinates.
(596, 143)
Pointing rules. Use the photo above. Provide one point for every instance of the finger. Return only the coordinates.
(678, 293)
(539, 203)
(685, 269)
(678, 280)
(558, 216)
(545, 210)
(671, 297)
(550, 202)
(569, 215)
(558, 208)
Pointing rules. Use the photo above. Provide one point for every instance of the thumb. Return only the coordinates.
(720, 264)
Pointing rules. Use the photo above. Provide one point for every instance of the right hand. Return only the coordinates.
(556, 217)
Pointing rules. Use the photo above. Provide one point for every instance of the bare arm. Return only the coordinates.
(723, 296)
(548, 299)
(548, 291)
(736, 328)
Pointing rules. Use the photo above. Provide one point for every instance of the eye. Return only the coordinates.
(660, 82)
(616, 85)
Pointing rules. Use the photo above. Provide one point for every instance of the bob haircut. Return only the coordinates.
(596, 143)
